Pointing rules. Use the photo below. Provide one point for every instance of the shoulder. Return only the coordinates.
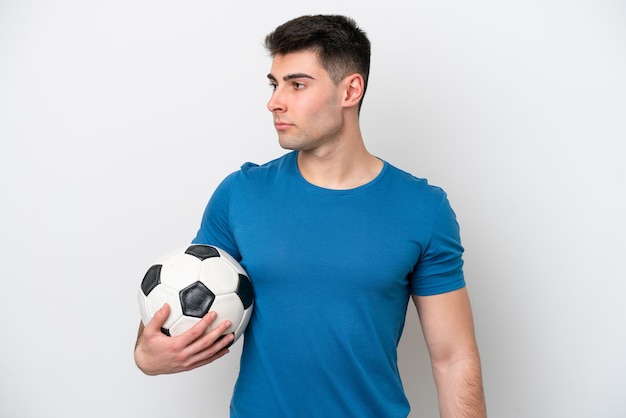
(250, 170)
(414, 187)
(254, 179)
(254, 172)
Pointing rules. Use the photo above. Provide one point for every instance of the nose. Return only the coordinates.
(275, 103)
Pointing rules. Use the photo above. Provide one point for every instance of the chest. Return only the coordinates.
(312, 243)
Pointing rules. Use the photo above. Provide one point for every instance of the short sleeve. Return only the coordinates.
(215, 225)
(440, 267)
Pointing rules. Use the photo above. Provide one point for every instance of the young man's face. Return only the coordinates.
(305, 103)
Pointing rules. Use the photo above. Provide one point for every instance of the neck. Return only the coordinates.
(345, 166)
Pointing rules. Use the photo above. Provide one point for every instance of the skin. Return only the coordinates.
(156, 353)
(320, 119)
(448, 329)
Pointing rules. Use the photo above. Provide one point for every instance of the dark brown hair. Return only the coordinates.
(341, 46)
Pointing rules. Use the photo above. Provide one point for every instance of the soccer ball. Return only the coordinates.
(193, 281)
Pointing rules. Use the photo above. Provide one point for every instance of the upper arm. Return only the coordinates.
(447, 324)
(215, 227)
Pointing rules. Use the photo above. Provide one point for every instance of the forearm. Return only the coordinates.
(460, 388)
(449, 332)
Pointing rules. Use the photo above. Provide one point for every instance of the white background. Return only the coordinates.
(119, 118)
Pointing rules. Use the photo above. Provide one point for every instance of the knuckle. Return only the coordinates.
(181, 359)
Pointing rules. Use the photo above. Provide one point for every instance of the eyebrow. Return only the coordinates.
(291, 76)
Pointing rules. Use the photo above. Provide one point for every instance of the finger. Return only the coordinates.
(201, 361)
(227, 339)
(211, 342)
(159, 318)
(214, 351)
(197, 330)
(216, 333)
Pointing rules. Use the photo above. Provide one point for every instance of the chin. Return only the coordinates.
(288, 145)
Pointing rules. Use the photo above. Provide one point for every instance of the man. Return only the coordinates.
(336, 241)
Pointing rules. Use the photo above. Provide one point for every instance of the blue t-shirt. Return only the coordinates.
(332, 272)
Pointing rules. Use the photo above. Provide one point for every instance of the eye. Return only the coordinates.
(272, 85)
(298, 86)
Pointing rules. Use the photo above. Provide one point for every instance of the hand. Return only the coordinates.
(156, 353)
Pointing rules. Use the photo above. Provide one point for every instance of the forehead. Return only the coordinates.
(295, 63)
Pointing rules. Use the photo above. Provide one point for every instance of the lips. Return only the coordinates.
(281, 125)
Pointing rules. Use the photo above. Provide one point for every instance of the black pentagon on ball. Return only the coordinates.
(196, 300)
(244, 291)
(151, 279)
(202, 252)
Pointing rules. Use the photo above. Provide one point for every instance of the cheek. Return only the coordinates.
(323, 111)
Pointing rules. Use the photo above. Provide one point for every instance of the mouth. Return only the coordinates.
(281, 126)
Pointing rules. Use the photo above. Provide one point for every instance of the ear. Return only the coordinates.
(354, 88)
